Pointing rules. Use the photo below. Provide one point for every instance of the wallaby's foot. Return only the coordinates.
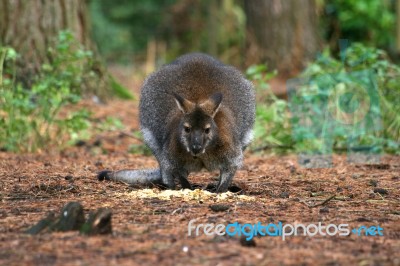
(185, 183)
(170, 186)
(221, 188)
(168, 179)
(104, 175)
(216, 188)
(225, 179)
(211, 187)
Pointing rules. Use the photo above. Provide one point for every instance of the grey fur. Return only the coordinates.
(195, 77)
(137, 177)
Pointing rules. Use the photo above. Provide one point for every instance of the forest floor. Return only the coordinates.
(151, 226)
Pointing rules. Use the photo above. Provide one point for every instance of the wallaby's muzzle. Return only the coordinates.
(196, 143)
(196, 149)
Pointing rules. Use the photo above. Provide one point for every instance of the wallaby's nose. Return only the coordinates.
(196, 148)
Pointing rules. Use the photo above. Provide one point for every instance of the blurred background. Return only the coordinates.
(283, 34)
(56, 53)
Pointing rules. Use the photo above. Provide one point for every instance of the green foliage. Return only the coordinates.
(314, 124)
(140, 148)
(120, 91)
(69, 66)
(361, 67)
(110, 124)
(272, 126)
(368, 21)
(74, 67)
(31, 118)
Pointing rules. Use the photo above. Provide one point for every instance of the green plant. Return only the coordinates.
(359, 67)
(120, 91)
(370, 21)
(272, 126)
(42, 115)
(311, 125)
(140, 148)
(76, 68)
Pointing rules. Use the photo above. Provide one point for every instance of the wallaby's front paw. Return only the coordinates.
(221, 190)
(222, 187)
(185, 183)
(104, 175)
(211, 187)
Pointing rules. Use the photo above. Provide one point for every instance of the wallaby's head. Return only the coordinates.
(197, 128)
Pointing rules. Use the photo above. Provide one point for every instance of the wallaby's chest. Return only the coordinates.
(202, 162)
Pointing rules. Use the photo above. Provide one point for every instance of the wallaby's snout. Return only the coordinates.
(196, 149)
(196, 146)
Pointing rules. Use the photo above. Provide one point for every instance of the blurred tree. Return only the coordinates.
(31, 27)
(145, 30)
(134, 24)
(281, 33)
(210, 26)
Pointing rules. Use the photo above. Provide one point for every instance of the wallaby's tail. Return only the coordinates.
(144, 177)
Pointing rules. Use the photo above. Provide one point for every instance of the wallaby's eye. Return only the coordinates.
(186, 127)
(207, 130)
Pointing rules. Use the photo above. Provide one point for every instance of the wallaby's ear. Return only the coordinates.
(184, 105)
(212, 104)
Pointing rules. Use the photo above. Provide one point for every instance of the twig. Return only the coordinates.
(342, 198)
(381, 196)
(222, 257)
(325, 201)
(385, 201)
(319, 204)
(177, 210)
(122, 133)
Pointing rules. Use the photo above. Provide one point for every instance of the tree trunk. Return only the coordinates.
(281, 33)
(31, 27)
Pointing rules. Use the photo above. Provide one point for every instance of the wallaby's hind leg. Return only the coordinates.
(184, 181)
(227, 173)
(167, 178)
(225, 179)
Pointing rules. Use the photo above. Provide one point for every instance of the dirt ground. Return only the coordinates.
(148, 230)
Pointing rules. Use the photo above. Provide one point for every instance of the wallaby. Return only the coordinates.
(195, 113)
